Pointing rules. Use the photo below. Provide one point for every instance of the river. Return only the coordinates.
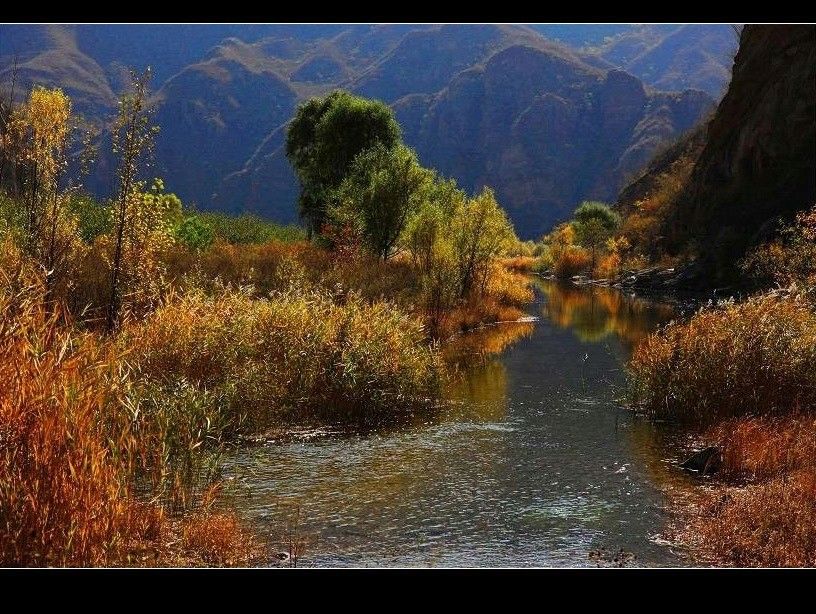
(533, 462)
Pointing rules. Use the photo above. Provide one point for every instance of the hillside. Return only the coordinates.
(540, 125)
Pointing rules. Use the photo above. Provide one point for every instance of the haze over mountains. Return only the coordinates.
(547, 115)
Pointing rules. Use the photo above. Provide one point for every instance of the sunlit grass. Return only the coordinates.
(752, 358)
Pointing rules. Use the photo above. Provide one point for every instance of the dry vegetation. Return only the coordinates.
(138, 340)
(742, 376)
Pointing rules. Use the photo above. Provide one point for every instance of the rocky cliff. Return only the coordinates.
(759, 160)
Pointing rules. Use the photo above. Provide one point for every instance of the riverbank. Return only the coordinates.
(741, 379)
(233, 340)
(531, 460)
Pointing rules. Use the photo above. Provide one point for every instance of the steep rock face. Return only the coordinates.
(759, 161)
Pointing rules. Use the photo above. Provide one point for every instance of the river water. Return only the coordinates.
(533, 463)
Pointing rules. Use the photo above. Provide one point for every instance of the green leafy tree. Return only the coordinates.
(384, 187)
(594, 223)
(323, 140)
(428, 231)
(481, 232)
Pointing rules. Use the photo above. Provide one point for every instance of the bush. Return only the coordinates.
(761, 525)
(194, 233)
(247, 229)
(790, 259)
(572, 261)
(751, 358)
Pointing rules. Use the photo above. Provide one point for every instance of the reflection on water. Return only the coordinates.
(596, 312)
(530, 463)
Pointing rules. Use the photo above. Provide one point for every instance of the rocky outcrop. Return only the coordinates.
(759, 160)
(545, 131)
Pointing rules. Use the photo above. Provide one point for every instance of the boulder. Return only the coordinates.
(705, 461)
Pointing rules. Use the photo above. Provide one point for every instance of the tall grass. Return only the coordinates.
(767, 517)
(297, 355)
(73, 449)
(62, 488)
(769, 524)
(757, 357)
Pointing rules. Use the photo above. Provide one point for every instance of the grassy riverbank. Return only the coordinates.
(139, 339)
(742, 377)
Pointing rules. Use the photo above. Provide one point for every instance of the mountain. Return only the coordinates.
(755, 160)
(223, 94)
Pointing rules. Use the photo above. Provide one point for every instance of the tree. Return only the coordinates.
(323, 140)
(384, 187)
(594, 223)
(40, 131)
(428, 231)
(481, 231)
(132, 143)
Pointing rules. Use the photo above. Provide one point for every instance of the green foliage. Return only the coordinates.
(93, 218)
(383, 188)
(594, 223)
(194, 233)
(428, 232)
(249, 229)
(480, 231)
(324, 138)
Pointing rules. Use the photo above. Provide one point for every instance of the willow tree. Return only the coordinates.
(481, 232)
(594, 222)
(133, 136)
(383, 188)
(325, 137)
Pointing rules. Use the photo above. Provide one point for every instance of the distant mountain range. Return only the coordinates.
(547, 115)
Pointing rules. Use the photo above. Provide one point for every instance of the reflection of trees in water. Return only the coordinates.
(478, 394)
(657, 447)
(474, 347)
(596, 312)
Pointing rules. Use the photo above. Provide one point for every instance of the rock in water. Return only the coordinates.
(705, 461)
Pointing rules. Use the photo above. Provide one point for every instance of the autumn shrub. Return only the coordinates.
(63, 490)
(788, 259)
(757, 357)
(520, 264)
(572, 261)
(218, 539)
(645, 223)
(769, 524)
(608, 266)
(762, 448)
(508, 286)
(295, 355)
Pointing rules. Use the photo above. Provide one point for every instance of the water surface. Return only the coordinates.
(533, 463)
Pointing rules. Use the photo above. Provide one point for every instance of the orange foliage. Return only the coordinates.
(572, 261)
